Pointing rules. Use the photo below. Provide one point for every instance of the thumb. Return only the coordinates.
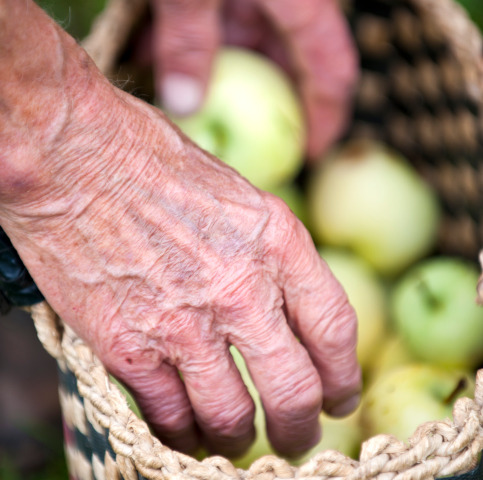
(186, 37)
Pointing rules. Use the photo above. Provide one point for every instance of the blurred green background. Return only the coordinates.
(31, 445)
(475, 10)
(75, 17)
(31, 442)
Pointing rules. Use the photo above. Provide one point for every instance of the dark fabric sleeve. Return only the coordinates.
(476, 474)
(16, 285)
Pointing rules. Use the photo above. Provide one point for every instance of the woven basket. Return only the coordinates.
(420, 91)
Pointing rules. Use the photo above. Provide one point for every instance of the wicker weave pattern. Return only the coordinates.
(420, 91)
(436, 448)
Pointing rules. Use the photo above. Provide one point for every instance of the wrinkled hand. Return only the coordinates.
(161, 257)
(308, 37)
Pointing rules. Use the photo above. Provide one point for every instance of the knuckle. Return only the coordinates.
(122, 352)
(339, 328)
(278, 208)
(283, 223)
(189, 45)
(230, 421)
(301, 400)
(174, 419)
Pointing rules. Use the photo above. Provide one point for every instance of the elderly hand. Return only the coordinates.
(161, 257)
(308, 37)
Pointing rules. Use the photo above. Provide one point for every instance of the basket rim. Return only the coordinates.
(439, 448)
(464, 39)
(436, 449)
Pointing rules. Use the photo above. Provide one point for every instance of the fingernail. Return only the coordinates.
(345, 407)
(181, 94)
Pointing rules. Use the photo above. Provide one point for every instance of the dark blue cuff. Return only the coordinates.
(16, 285)
(476, 474)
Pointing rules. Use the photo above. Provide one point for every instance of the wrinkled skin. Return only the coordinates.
(160, 256)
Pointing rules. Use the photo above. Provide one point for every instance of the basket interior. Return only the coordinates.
(420, 92)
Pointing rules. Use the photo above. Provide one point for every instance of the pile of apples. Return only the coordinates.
(375, 222)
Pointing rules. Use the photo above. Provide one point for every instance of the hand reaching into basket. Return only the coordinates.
(160, 256)
(309, 38)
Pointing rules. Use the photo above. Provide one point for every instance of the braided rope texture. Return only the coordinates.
(448, 79)
(435, 449)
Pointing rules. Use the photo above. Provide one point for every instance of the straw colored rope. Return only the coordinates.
(49, 330)
(436, 448)
(110, 32)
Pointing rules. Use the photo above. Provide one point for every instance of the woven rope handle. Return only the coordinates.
(435, 449)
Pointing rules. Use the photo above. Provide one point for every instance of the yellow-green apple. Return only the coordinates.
(401, 399)
(261, 445)
(369, 198)
(132, 404)
(341, 434)
(391, 353)
(367, 294)
(479, 287)
(434, 310)
(252, 118)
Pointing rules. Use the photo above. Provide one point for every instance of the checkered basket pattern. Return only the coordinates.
(421, 92)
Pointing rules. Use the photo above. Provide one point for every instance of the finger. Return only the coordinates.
(245, 25)
(223, 407)
(325, 64)
(288, 384)
(163, 400)
(242, 23)
(320, 314)
(186, 37)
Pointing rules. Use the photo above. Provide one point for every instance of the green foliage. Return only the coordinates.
(475, 10)
(74, 16)
(55, 466)
(8, 470)
(55, 469)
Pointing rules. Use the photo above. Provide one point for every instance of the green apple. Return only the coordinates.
(369, 198)
(391, 353)
(261, 446)
(341, 434)
(434, 310)
(128, 395)
(403, 398)
(251, 119)
(479, 287)
(367, 294)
